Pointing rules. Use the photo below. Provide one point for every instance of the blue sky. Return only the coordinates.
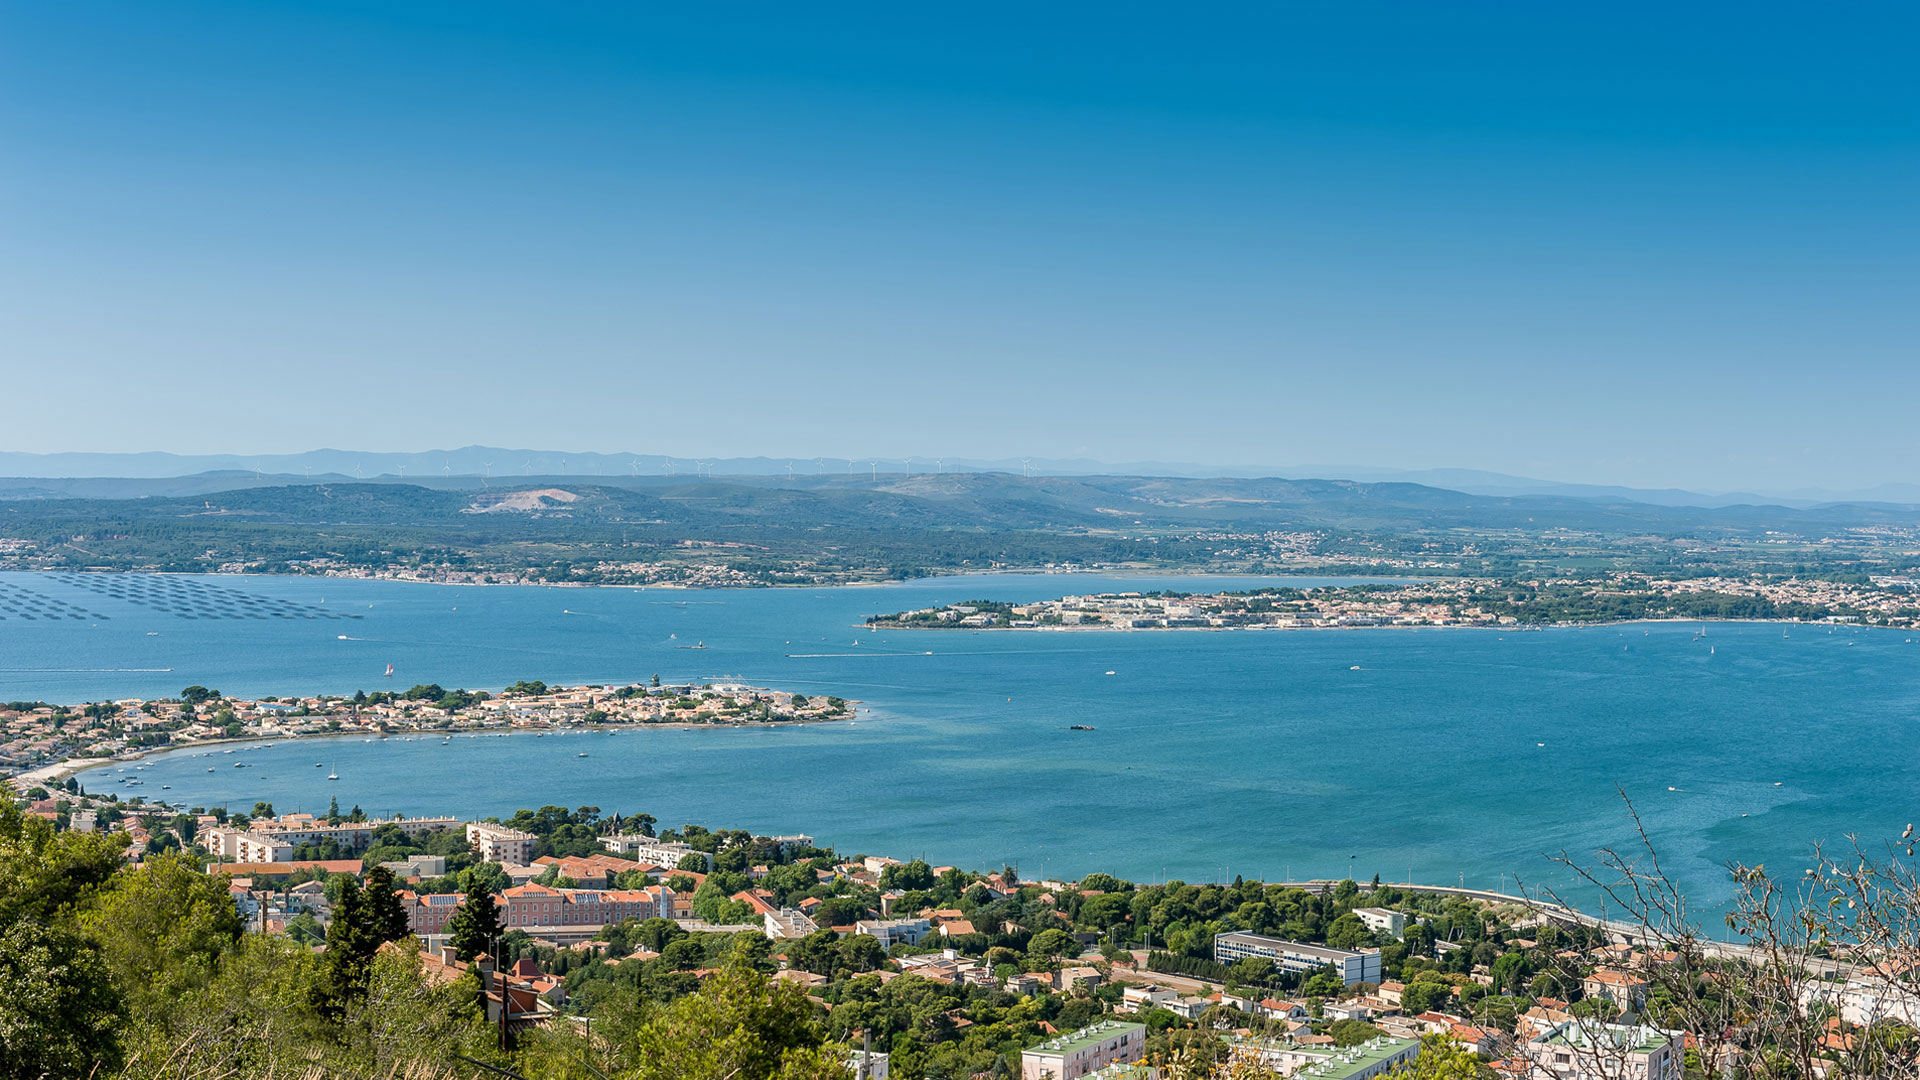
(1644, 244)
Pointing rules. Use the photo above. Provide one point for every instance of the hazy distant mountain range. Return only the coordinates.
(95, 475)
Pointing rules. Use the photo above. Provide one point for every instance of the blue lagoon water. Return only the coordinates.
(1451, 755)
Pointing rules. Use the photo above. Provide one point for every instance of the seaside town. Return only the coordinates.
(1884, 602)
(44, 741)
(917, 969)
(922, 970)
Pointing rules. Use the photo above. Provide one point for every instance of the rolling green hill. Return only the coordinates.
(814, 528)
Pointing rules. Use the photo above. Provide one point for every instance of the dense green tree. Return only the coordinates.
(474, 927)
(1324, 983)
(351, 942)
(1510, 973)
(60, 1011)
(46, 875)
(162, 929)
(198, 695)
(657, 933)
(908, 875)
(1423, 996)
(1048, 944)
(736, 1025)
(386, 917)
(1348, 932)
(1352, 1032)
(306, 929)
(1251, 971)
(711, 902)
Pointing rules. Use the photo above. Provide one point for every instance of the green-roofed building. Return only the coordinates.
(1084, 1052)
(1316, 1062)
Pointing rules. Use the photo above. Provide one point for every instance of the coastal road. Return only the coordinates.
(1631, 933)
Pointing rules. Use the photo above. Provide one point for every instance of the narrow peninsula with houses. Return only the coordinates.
(44, 741)
(1619, 597)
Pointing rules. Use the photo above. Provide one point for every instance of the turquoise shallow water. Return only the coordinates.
(1215, 754)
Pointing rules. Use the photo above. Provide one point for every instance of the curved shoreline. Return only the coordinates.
(52, 774)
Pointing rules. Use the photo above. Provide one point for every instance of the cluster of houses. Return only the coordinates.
(1548, 1044)
(41, 743)
(1441, 602)
(566, 901)
(1437, 604)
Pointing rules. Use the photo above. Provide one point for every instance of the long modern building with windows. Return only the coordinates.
(1354, 967)
(1085, 1052)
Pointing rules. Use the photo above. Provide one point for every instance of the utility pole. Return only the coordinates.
(500, 981)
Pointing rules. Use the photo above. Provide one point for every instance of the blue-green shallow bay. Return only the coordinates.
(1257, 753)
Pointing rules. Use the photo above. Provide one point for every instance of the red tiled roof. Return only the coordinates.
(281, 869)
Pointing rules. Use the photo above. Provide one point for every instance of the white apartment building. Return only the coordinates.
(788, 924)
(652, 849)
(1586, 1049)
(254, 848)
(789, 844)
(416, 827)
(357, 835)
(1381, 921)
(424, 866)
(1866, 998)
(242, 846)
(893, 931)
(499, 844)
(1293, 956)
(1071, 1057)
(1146, 997)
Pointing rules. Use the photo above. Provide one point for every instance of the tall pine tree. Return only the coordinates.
(475, 926)
(348, 960)
(385, 914)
